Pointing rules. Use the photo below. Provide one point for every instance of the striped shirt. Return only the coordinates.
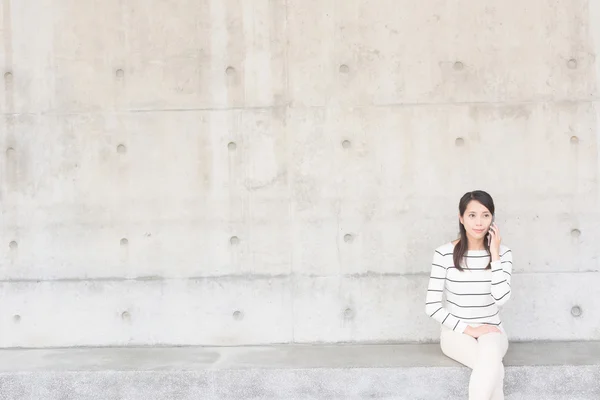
(458, 299)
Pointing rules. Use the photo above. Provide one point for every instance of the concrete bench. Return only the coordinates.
(540, 370)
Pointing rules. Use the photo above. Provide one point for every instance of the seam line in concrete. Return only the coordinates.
(296, 106)
(257, 277)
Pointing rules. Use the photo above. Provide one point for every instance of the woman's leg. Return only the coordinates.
(499, 391)
(483, 356)
(487, 379)
(459, 347)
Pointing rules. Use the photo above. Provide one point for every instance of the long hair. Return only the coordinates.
(463, 242)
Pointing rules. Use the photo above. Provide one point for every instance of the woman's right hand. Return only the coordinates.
(480, 330)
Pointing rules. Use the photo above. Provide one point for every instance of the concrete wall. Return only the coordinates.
(237, 172)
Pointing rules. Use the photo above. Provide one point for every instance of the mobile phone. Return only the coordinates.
(489, 236)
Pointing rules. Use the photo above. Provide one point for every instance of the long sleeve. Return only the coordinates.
(433, 302)
(501, 277)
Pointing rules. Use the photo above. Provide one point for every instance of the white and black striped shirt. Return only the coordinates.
(473, 296)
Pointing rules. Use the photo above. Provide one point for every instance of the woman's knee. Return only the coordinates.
(492, 346)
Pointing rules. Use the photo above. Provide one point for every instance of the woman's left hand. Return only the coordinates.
(495, 240)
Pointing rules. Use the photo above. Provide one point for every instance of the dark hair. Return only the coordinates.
(463, 243)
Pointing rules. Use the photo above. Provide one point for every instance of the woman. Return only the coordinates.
(474, 272)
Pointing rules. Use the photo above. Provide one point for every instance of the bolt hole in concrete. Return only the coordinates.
(576, 311)
(574, 139)
(125, 315)
(230, 71)
(572, 63)
(8, 76)
(458, 66)
(120, 73)
(344, 69)
(575, 233)
(346, 144)
(124, 242)
(17, 318)
(459, 142)
(232, 146)
(234, 240)
(121, 149)
(348, 313)
(348, 238)
(13, 245)
(10, 151)
(238, 315)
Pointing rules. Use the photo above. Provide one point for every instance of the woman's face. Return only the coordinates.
(476, 220)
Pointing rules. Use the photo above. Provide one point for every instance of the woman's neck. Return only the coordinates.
(475, 244)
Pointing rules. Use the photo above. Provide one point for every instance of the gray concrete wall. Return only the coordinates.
(239, 172)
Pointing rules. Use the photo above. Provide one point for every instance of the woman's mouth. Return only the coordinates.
(479, 230)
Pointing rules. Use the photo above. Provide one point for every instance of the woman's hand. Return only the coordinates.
(480, 330)
(495, 240)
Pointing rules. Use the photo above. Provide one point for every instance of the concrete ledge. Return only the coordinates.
(541, 370)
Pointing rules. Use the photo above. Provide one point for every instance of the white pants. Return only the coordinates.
(484, 356)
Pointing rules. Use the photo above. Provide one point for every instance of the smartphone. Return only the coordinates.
(489, 237)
